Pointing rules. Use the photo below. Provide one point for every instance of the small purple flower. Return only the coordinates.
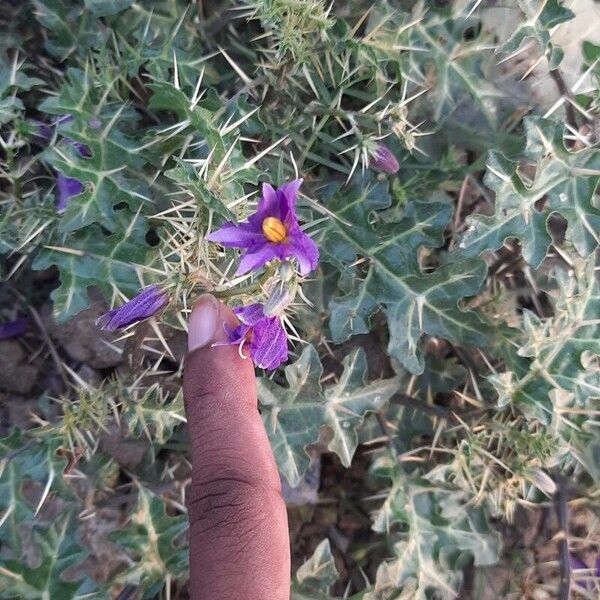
(13, 329)
(67, 188)
(43, 131)
(272, 232)
(578, 565)
(265, 335)
(383, 160)
(146, 304)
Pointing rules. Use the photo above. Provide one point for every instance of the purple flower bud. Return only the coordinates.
(265, 335)
(95, 123)
(13, 329)
(578, 565)
(146, 304)
(67, 188)
(42, 131)
(383, 160)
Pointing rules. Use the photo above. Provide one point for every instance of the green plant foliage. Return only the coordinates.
(294, 415)
(445, 349)
(316, 575)
(540, 17)
(443, 534)
(155, 541)
(562, 386)
(415, 303)
(58, 551)
(26, 459)
(565, 182)
(93, 258)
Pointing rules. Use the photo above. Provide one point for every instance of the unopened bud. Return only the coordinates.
(383, 160)
(543, 482)
(280, 298)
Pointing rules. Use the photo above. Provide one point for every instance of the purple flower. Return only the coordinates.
(42, 130)
(67, 188)
(578, 565)
(13, 329)
(272, 232)
(383, 160)
(265, 335)
(146, 304)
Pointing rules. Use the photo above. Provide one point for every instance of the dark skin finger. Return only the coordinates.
(239, 541)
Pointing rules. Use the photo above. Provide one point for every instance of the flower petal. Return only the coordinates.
(269, 345)
(241, 235)
(289, 193)
(269, 205)
(251, 314)
(67, 188)
(13, 329)
(305, 250)
(146, 304)
(238, 334)
(257, 257)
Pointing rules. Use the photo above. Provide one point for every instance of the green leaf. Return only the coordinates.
(108, 176)
(74, 29)
(561, 388)
(104, 8)
(91, 258)
(566, 181)
(225, 170)
(458, 73)
(541, 17)
(293, 416)
(414, 303)
(25, 458)
(190, 181)
(155, 542)
(315, 577)
(151, 416)
(443, 534)
(58, 551)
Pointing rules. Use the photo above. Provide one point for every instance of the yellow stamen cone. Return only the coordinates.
(274, 230)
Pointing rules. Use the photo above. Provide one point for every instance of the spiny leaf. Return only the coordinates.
(225, 169)
(26, 458)
(541, 17)
(189, 180)
(103, 8)
(154, 540)
(151, 416)
(562, 386)
(74, 29)
(91, 258)
(58, 551)
(110, 175)
(293, 416)
(315, 577)
(566, 181)
(414, 303)
(442, 533)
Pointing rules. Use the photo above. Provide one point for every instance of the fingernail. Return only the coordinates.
(203, 322)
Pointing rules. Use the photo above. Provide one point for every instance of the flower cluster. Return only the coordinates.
(272, 233)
